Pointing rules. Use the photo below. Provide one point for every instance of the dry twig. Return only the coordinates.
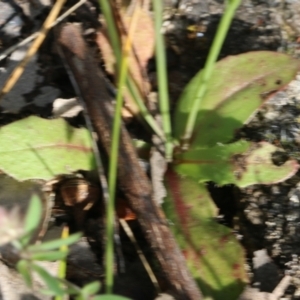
(90, 83)
(18, 71)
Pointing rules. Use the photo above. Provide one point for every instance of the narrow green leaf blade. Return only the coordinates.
(53, 283)
(32, 219)
(49, 255)
(110, 297)
(214, 256)
(24, 269)
(55, 244)
(241, 163)
(91, 288)
(39, 148)
(238, 87)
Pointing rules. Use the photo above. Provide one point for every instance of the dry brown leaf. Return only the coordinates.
(143, 48)
(106, 50)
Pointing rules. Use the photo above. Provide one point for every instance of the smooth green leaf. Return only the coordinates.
(33, 213)
(70, 288)
(51, 245)
(49, 292)
(39, 148)
(32, 219)
(110, 297)
(71, 291)
(53, 283)
(91, 288)
(214, 256)
(238, 87)
(241, 163)
(24, 269)
(49, 255)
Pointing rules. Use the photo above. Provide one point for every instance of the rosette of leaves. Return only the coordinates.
(238, 86)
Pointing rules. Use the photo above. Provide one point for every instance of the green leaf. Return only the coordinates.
(70, 288)
(91, 288)
(110, 297)
(55, 244)
(23, 268)
(32, 219)
(49, 255)
(237, 88)
(39, 148)
(53, 283)
(214, 256)
(241, 163)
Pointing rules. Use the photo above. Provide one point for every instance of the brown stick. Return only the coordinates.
(131, 178)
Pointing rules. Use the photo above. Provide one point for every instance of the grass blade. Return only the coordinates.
(32, 219)
(161, 67)
(62, 267)
(223, 27)
(51, 245)
(49, 255)
(23, 268)
(112, 175)
(52, 282)
(116, 46)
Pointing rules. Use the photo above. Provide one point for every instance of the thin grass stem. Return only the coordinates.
(112, 29)
(231, 6)
(143, 109)
(116, 46)
(62, 267)
(113, 162)
(161, 67)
